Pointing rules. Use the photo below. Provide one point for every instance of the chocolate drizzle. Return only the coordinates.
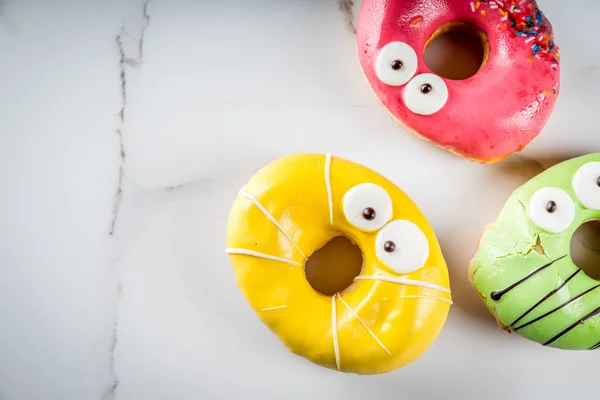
(595, 347)
(578, 322)
(546, 297)
(557, 308)
(497, 295)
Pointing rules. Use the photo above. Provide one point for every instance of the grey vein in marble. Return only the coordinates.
(191, 187)
(123, 61)
(347, 9)
(111, 391)
(119, 193)
(146, 18)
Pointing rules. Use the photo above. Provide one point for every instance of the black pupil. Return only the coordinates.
(598, 181)
(426, 88)
(389, 246)
(396, 65)
(369, 214)
(551, 207)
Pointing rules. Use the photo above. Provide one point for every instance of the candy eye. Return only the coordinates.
(586, 184)
(402, 246)
(552, 209)
(396, 63)
(426, 94)
(367, 206)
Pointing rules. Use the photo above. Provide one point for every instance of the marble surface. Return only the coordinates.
(127, 128)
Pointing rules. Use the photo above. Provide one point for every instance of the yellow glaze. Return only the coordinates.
(399, 320)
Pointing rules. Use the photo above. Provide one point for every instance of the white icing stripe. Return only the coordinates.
(270, 217)
(328, 184)
(427, 297)
(260, 255)
(402, 281)
(365, 325)
(274, 308)
(334, 333)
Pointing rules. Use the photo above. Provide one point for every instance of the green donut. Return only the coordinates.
(523, 269)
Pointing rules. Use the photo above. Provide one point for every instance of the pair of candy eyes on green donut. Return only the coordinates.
(553, 210)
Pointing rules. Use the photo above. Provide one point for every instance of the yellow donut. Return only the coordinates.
(396, 306)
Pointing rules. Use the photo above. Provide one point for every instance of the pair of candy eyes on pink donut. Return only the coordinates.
(553, 210)
(397, 64)
(400, 244)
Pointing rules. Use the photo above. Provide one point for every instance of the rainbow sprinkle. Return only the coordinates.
(416, 20)
(525, 19)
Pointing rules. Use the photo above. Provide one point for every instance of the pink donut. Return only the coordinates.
(486, 117)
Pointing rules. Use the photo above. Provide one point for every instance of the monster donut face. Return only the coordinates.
(523, 269)
(486, 117)
(396, 66)
(397, 304)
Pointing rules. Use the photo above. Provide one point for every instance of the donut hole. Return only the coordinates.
(585, 249)
(333, 267)
(457, 50)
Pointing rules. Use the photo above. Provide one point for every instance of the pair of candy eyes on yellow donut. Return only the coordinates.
(397, 64)
(399, 244)
(553, 210)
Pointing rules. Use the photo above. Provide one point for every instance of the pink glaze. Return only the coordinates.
(497, 111)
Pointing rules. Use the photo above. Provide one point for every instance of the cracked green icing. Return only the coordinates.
(514, 247)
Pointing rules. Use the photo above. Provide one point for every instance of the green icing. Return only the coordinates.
(515, 247)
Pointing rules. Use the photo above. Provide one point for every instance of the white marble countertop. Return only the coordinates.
(126, 129)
